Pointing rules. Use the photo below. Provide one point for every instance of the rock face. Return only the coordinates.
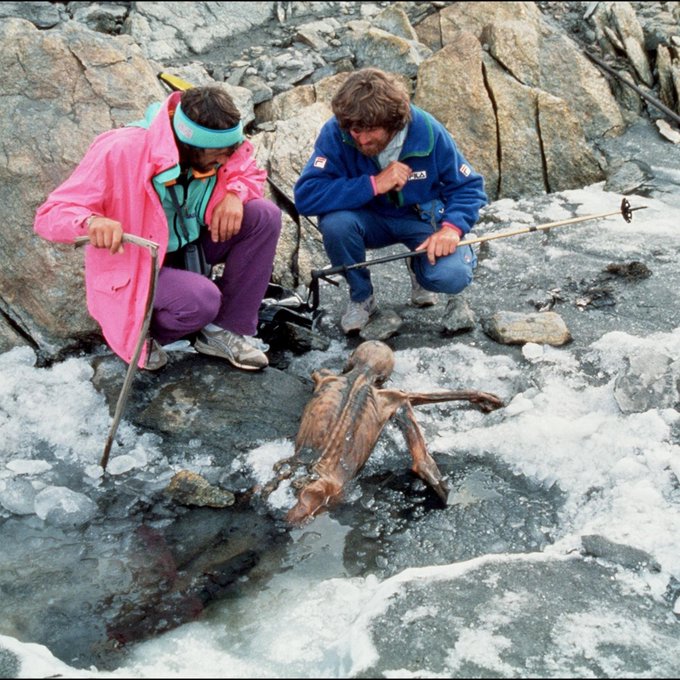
(504, 66)
(509, 80)
(68, 85)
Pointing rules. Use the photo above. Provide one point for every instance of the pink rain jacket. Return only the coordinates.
(114, 179)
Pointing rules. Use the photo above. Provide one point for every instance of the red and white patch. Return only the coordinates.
(320, 162)
(465, 169)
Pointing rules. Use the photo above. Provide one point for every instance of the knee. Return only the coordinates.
(337, 224)
(207, 302)
(265, 214)
(450, 276)
(458, 280)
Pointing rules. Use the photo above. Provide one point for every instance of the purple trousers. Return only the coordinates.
(185, 302)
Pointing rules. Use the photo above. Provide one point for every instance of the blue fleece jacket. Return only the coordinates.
(338, 175)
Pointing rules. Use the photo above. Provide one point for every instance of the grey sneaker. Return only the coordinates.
(157, 357)
(236, 349)
(357, 314)
(419, 296)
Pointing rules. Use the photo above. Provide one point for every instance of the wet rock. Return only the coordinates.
(457, 317)
(619, 553)
(628, 177)
(300, 340)
(513, 328)
(381, 326)
(189, 488)
(439, 623)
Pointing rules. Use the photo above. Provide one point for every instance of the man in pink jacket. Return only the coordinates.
(184, 174)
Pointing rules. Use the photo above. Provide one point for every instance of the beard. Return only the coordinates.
(375, 146)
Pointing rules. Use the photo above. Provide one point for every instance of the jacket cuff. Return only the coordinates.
(238, 190)
(454, 227)
(82, 224)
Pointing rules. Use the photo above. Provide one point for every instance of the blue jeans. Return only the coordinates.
(348, 234)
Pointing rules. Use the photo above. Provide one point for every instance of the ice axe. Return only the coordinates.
(625, 211)
(132, 366)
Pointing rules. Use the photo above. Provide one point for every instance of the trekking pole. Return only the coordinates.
(625, 211)
(132, 366)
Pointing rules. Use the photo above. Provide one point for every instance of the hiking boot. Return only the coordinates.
(157, 357)
(238, 350)
(419, 296)
(357, 314)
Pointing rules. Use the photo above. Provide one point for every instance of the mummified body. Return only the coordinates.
(343, 420)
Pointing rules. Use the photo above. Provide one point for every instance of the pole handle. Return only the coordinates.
(127, 238)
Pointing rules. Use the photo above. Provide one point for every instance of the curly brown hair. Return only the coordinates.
(372, 98)
(210, 106)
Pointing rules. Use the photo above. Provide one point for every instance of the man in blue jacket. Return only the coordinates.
(383, 172)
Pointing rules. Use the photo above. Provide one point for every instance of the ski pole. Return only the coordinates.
(132, 366)
(626, 211)
(652, 100)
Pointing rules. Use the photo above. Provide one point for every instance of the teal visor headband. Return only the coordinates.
(196, 135)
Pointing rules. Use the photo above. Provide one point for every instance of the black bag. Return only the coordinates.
(190, 258)
(193, 259)
(285, 320)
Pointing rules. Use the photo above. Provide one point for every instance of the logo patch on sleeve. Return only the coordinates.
(465, 169)
(320, 162)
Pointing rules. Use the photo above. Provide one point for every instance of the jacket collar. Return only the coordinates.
(420, 138)
(163, 151)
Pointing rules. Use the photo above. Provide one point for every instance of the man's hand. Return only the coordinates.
(105, 233)
(441, 243)
(394, 176)
(226, 218)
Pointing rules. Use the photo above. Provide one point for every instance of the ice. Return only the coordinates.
(60, 506)
(17, 496)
